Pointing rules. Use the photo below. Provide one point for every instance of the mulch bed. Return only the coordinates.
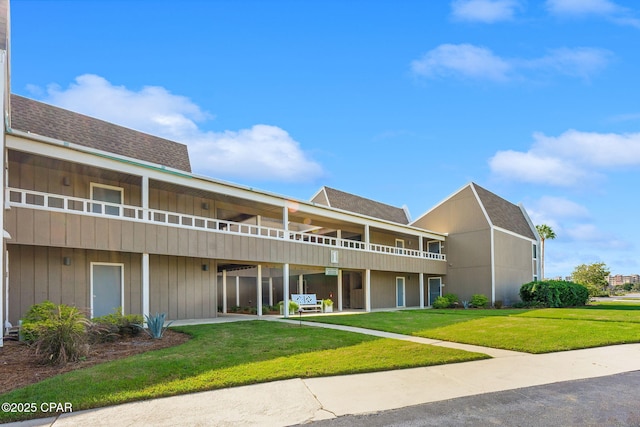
(19, 366)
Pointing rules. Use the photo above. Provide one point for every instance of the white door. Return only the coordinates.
(400, 297)
(434, 288)
(107, 288)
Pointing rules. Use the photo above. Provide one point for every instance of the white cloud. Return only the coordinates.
(582, 7)
(560, 207)
(487, 11)
(589, 233)
(604, 8)
(262, 152)
(480, 63)
(462, 60)
(535, 168)
(625, 117)
(569, 159)
(577, 62)
(591, 149)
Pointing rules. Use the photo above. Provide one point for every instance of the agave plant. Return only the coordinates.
(155, 325)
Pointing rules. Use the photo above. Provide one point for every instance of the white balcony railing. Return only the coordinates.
(54, 202)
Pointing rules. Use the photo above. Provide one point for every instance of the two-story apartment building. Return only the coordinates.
(103, 217)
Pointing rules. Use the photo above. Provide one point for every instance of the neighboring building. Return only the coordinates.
(619, 279)
(100, 217)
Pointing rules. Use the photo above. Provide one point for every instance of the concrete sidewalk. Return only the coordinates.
(297, 401)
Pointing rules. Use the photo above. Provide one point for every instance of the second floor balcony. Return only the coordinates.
(21, 198)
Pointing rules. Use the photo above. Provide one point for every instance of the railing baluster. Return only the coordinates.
(190, 221)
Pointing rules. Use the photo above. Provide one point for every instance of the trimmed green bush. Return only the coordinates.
(441, 302)
(116, 322)
(479, 301)
(554, 293)
(39, 313)
(62, 337)
(452, 298)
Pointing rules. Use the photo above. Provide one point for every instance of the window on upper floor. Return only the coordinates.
(433, 247)
(110, 195)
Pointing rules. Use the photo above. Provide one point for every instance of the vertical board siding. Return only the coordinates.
(37, 273)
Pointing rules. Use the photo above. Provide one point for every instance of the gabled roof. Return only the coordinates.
(503, 213)
(39, 118)
(350, 202)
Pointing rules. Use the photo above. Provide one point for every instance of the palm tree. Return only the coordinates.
(545, 233)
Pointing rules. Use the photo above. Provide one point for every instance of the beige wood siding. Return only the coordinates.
(37, 274)
(33, 227)
(458, 214)
(468, 246)
(513, 261)
(46, 175)
(383, 289)
(389, 239)
(179, 287)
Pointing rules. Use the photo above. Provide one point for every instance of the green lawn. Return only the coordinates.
(532, 331)
(231, 354)
(411, 322)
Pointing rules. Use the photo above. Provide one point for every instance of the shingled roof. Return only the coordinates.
(39, 118)
(503, 213)
(350, 202)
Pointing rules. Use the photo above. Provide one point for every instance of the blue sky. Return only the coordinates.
(402, 102)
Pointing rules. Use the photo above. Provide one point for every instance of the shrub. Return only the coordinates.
(554, 293)
(40, 313)
(479, 301)
(452, 298)
(62, 337)
(466, 304)
(120, 324)
(441, 302)
(293, 307)
(155, 325)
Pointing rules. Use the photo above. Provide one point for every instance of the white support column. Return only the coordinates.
(224, 291)
(237, 291)
(145, 284)
(285, 220)
(285, 290)
(4, 316)
(145, 192)
(339, 290)
(366, 237)
(421, 281)
(339, 234)
(271, 291)
(420, 244)
(258, 220)
(367, 290)
(259, 289)
(300, 283)
(4, 90)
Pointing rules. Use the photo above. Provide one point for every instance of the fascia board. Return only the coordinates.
(511, 233)
(526, 216)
